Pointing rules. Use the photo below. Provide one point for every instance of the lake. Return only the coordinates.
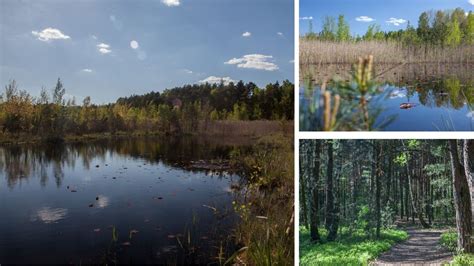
(141, 200)
(409, 98)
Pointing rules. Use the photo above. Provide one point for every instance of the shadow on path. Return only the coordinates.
(421, 248)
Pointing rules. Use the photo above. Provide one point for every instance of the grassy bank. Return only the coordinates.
(449, 240)
(265, 203)
(350, 248)
(219, 128)
(385, 52)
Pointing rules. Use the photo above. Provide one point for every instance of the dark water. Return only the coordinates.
(439, 101)
(148, 196)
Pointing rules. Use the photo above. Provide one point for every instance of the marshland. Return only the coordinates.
(168, 177)
(420, 78)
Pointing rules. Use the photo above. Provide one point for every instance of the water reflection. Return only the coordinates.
(428, 105)
(102, 201)
(19, 163)
(49, 215)
(118, 201)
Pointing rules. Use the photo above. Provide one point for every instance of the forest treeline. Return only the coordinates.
(178, 110)
(446, 28)
(370, 184)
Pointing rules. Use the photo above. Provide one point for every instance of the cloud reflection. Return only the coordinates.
(49, 215)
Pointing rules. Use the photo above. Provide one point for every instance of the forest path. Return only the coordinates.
(421, 248)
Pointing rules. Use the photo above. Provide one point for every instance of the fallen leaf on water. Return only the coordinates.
(171, 236)
(97, 230)
(204, 237)
(133, 231)
(146, 221)
(126, 243)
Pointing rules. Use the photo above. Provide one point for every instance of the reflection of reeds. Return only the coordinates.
(325, 52)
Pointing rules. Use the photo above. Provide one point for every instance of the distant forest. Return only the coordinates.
(177, 110)
(447, 28)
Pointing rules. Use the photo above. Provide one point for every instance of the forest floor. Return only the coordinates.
(421, 248)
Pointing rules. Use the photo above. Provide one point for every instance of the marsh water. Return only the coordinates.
(409, 98)
(139, 200)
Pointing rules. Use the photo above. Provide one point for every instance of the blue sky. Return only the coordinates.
(389, 14)
(110, 48)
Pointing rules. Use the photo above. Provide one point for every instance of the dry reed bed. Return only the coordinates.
(256, 128)
(393, 73)
(326, 52)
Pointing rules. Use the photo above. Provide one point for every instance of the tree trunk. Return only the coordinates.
(303, 175)
(462, 200)
(378, 172)
(331, 221)
(468, 154)
(315, 163)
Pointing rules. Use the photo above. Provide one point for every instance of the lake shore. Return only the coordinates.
(228, 129)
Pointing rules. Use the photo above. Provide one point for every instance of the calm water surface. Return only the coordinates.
(125, 201)
(440, 99)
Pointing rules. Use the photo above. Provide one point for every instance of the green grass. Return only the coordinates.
(355, 248)
(463, 260)
(449, 240)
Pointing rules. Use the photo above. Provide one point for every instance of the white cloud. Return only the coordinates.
(396, 21)
(171, 2)
(187, 71)
(306, 18)
(50, 34)
(280, 33)
(254, 61)
(88, 70)
(134, 44)
(94, 37)
(292, 61)
(471, 2)
(104, 48)
(364, 19)
(218, 80)
(246, 34)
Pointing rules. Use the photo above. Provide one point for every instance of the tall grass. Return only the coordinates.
(265, 205)
(386, 52)
(255, 128)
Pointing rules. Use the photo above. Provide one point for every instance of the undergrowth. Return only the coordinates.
(350, 248)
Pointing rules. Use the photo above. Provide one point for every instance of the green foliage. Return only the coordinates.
(449, 240)
(450, 28)
(463, 259)
(454, 34)
(388, 217)
(351, 247)
(343, 31)
(181, 110)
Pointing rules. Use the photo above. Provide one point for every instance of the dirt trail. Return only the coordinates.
(421, 248)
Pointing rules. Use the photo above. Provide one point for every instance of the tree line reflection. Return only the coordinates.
(22, 162)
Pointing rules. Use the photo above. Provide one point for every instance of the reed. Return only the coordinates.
(386, 52)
